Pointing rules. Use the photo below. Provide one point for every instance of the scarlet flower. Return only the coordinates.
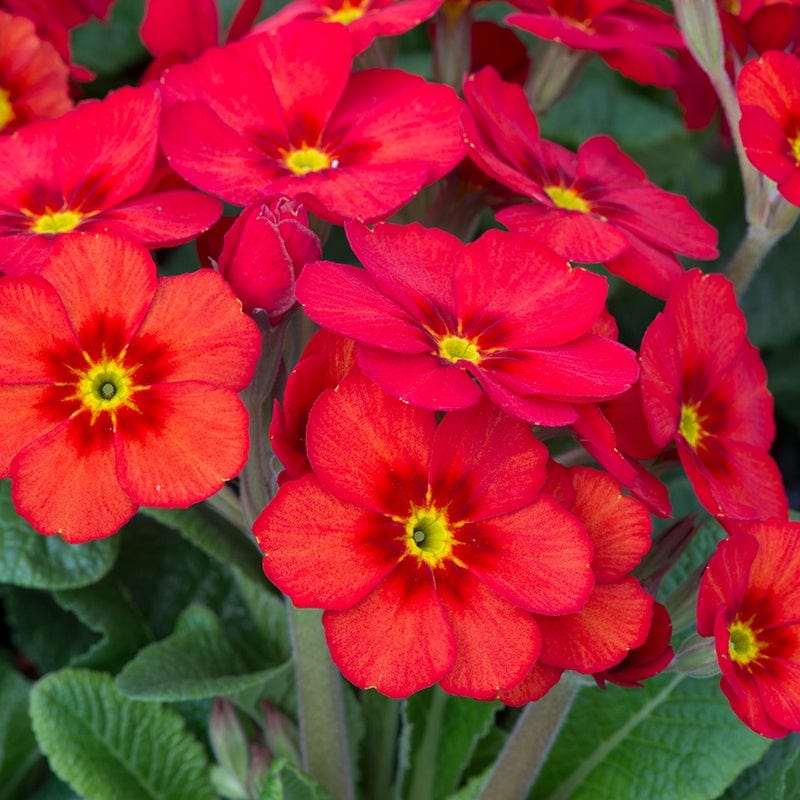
(748, 601)
(432, 316)
(429, 547)
(705, 388)
(365, 19)
(118, 389)
(88, 170)
(618, 613)
(281, 113)
(263, 253)
(33, 78)
(326, 360)
(627, 35)
(769, 94)
(593, 207)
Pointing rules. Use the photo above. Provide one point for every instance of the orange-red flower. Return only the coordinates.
(33, 78)
(749, 601)
(704, 387)
(118, 389)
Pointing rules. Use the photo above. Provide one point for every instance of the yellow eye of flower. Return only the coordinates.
(567, 198)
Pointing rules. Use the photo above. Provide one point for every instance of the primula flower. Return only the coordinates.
(88, 170)
(627, 35)
(365, 20)
(593, 207)
(704, 387)
(769, 95)
(326, 360)
(429, 547)
(281, 114)
(33, 78)
(617, 616)
(438, 321)
(263, 253)
(118, 389)
(748, 601)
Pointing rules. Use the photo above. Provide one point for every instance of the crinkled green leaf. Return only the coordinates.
(46, 634)
(109, 747)
(111, 47)
(439, 737)
(29, 559)
(54, 789)
(197, 661)
(284, 781)
(676, 737)
(107, 609)
(772, 778)
(19, 753)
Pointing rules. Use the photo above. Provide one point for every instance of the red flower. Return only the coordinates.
(365, 19)
(704, 386)
(281, 113)
(748, 601)
(429, 546)
(626, 34)
(596, 207)
(107, 375)
(263, 253)
(617, 616)
(88, 170)
(769, 94)
(432, 316)
(326, 360)
(33, 78)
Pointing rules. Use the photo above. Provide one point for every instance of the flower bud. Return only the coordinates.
(231, 748)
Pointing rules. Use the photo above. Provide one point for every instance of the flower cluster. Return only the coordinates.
(470, 454)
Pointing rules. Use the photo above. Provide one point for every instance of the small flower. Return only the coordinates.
(118, 389)
(89, 170)
(429, 546)
(437, 322)
(748, 601)
(704, 387)
(282, 113)
(769, 94)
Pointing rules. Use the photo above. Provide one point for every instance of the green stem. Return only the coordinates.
(749, 256)
(529, 744)
(226, 503)
(557, 70)
(382, 721)
(428, 760)
(320, 702)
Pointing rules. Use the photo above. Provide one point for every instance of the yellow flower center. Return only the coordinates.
(564, 197)
(795, 145)
(307, 159)
(346, 14)
(6, 109)
(106, 386)
(429, 537)
(743, 646)
(457, 348)
(56, 221)
(690, 427)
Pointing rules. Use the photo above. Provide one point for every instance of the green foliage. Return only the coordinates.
(108, 747)
(113, 46)
(285, 782)
(34, 561)
(676, 737)
(775, 777)
(19, 755)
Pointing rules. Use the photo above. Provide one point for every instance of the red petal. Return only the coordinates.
(22, 420)
(195, 331)
(189, 439)
(188, 27)
(496, 643)
(536, 684)
(369, 448)
(65, 482)
(322, 552)
(398, 640)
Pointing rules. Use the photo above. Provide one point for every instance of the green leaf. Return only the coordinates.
(198, 661)
(772, 778)
(19, 753)
(47, 635)
(285, 782)
(29, 559)
(113, 46)
(676, 737)
(108, 747)
(53, 789)
(440, 735)
(107, 609)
